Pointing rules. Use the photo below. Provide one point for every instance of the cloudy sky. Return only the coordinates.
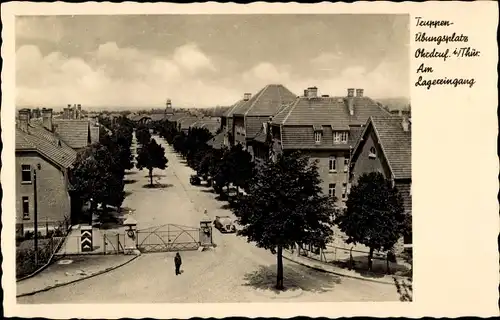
(205, 60)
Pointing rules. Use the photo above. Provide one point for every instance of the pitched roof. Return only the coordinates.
(302, 137)
(396, 144)
(53, 149)
(333, 111)
(217, 142)
(157, 116)
(267, 102)
(74, 132)
(212, 124)
(229, 113)
(187, 121)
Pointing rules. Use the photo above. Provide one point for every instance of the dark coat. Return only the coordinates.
(177, 260)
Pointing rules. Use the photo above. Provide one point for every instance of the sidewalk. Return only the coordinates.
(65, 270)
(315, 264)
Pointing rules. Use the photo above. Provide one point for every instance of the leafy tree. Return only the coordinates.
(374, 215)
(151, 155)
(284, 205)
(94, 178)
(143, 136)
(240, 166)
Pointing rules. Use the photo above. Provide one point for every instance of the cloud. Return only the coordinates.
(126, 77)
(192, 59)
(326, 60)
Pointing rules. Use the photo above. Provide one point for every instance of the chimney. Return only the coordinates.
(406, 124)
(312, 92)
(349, 101)
(47, 119)
(359, 93)
(247, 96)
(169, 103)
(79, 111)
(24, 119)
(306, 93)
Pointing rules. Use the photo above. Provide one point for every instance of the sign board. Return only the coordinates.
(86, 238)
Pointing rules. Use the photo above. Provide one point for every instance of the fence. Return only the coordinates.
(354, 257)
(46, 227)
(102, 243)
(51, 236)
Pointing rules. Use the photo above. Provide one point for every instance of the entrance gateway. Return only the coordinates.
(171, 237)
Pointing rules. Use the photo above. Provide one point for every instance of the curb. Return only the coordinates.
(387, 282)
(77, 280)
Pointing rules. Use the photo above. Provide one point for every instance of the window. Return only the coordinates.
(336, 137)
(344, 191)
(25, 173)
(317, 136)
(340, 136)
(373, 153)
(26, 208)
(331, 190)
(344, 136)
(346, 164)
(332, 164)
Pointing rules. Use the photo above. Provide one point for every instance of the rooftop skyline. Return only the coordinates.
(205, 60)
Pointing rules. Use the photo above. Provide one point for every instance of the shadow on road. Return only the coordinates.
(129, 181)
(129, 172)
(156, 176)
(307, 279)
(157, 186)
(127, 193)
(208, 190)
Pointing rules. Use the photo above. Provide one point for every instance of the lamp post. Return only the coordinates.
(36, 216)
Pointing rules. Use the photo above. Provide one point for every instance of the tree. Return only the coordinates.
(240, 165)
(142, 134)
(151, 155)
(94, 178)
(284, 205)
(374, 215)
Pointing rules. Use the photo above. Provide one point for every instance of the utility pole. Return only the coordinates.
(36, 217)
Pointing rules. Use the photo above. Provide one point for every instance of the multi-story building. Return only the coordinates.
(248, 116)
(324, 128)
(42, 152)
(385, 147)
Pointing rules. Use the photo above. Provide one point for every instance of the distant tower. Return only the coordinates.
(168, 109)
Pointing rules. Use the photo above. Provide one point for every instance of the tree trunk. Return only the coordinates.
(93, 207)
(151, 176)
(370, 262)
(279, 277)
(387, 264)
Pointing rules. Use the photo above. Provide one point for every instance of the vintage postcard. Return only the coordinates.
(280, 160)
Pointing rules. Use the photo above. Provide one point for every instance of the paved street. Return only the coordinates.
(230, 273)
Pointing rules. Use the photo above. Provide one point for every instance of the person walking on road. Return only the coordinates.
(178, 262)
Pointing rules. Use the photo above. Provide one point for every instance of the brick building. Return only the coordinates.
(41, 150)
(249, 115)
(324, 128)
(385, 147)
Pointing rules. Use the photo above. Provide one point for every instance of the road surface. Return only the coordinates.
(235, 271)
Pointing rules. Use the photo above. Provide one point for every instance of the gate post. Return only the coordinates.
(130, 243)
(206, 232)
(86, 238)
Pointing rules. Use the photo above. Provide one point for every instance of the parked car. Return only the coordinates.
(195, 180)
(224, 224)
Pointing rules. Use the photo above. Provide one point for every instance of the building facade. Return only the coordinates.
(326, 129)
(42, 152)
(385, 147)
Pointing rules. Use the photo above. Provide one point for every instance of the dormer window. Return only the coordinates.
(340, 136)
(373, 153)
(317, 136)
